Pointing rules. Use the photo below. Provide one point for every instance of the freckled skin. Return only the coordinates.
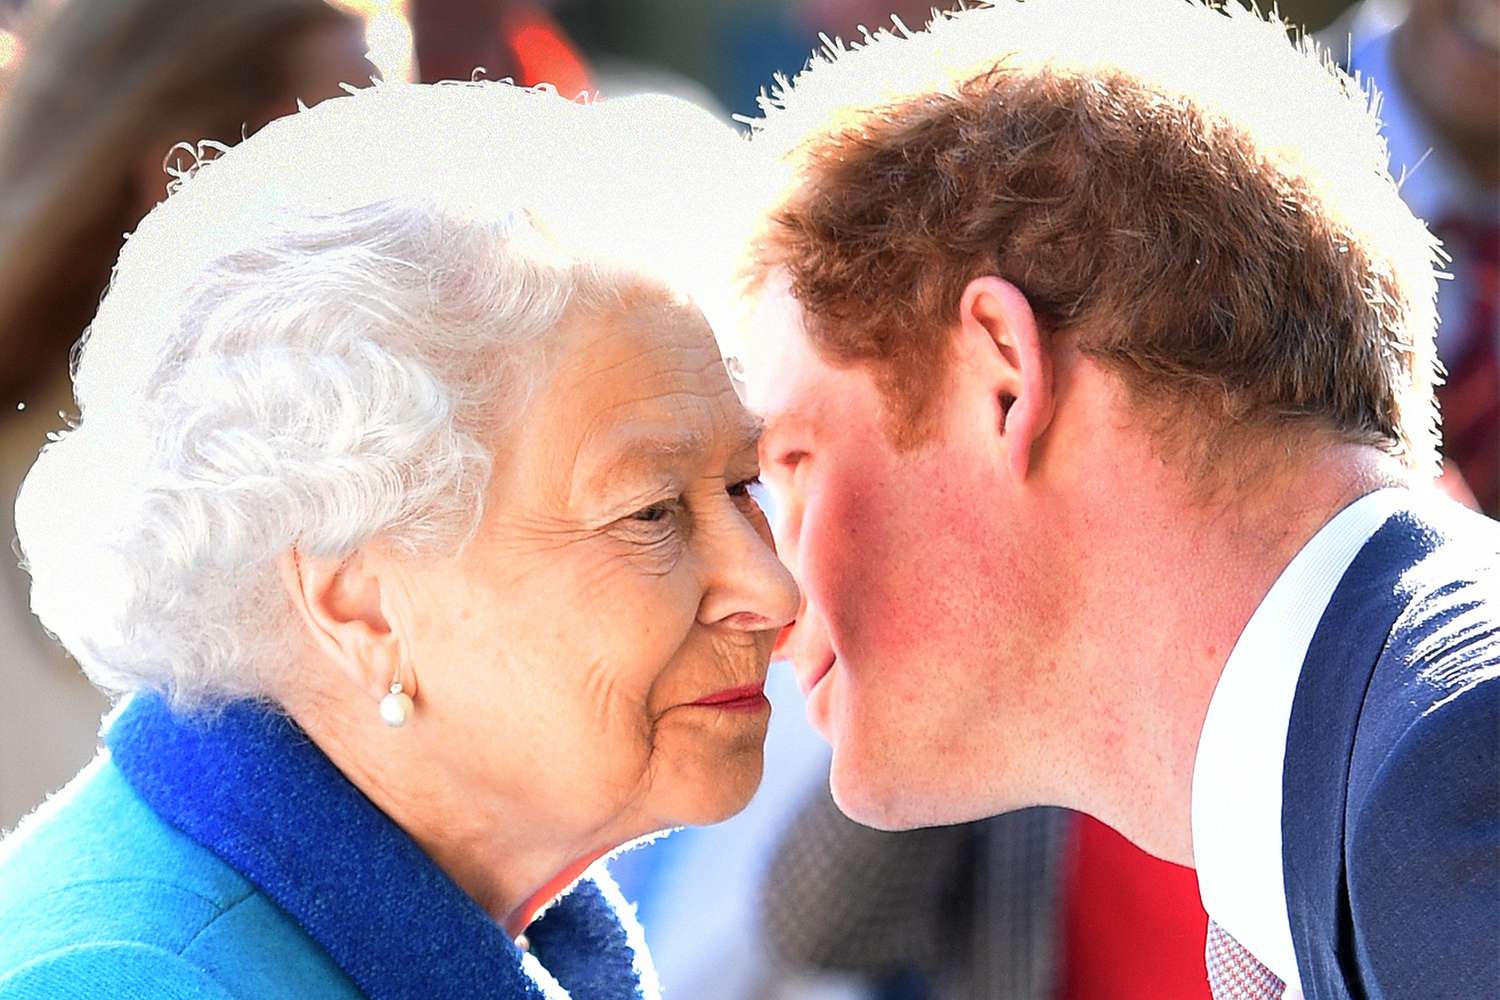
(560, 651)
(1034, 606)
(910, 575)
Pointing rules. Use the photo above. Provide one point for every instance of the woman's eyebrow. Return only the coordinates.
(749, 432)
(630, 456)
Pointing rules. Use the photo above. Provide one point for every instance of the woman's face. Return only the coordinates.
(622, 577)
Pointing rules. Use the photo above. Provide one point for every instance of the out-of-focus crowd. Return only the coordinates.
(98, 98)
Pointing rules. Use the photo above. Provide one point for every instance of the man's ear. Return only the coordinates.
(998, 335)
(339, 603)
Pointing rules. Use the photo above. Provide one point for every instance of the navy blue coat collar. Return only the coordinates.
(249, 786)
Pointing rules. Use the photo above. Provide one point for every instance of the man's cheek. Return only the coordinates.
(840, 580)
(867, 587)
(818, 547)
(782, 507)
(786, 529)
(878, 619)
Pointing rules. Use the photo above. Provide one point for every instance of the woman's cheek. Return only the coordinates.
(637, 633)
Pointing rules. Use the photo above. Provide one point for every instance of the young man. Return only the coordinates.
(1095, 346)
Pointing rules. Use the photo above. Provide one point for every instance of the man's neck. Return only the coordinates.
(1166, 630)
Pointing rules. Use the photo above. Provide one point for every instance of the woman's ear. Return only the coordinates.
(339, 603)
(998, 335)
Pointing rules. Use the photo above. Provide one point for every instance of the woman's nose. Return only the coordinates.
(748, 587)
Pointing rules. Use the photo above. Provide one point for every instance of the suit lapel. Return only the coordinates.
(1331, 690)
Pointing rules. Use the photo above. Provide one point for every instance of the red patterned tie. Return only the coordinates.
(1234, 973)
(1470, 400)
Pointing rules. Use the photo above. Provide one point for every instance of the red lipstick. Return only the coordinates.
(746, 698)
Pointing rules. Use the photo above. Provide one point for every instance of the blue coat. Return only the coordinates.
(228, 858)
(1391, 788)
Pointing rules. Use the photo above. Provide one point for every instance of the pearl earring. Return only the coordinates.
(395, 708)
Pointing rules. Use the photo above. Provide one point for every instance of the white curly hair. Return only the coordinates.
(309, 341)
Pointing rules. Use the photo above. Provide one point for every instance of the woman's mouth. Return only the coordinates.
(746, 698)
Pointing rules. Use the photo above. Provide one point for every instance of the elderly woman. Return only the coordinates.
(409, 506)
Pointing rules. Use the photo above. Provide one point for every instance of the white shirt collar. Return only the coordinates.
(1236, 798)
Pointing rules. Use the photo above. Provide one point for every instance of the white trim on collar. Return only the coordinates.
(1236, 803)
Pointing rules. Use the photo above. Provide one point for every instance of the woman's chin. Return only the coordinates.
(720, 793)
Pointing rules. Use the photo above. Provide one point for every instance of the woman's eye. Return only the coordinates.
(754, 493)
(744, 487)
(654, 513)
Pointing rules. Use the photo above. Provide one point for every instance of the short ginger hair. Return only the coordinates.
(1201, 201)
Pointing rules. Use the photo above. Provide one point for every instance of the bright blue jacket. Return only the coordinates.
(228, 858)
(99, 897)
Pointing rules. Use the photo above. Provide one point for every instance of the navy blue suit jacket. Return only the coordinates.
(1391, 790)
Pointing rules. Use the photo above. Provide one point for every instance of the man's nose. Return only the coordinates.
(783, 641)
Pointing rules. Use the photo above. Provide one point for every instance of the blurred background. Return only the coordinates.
(788, 900)
(721, 51)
